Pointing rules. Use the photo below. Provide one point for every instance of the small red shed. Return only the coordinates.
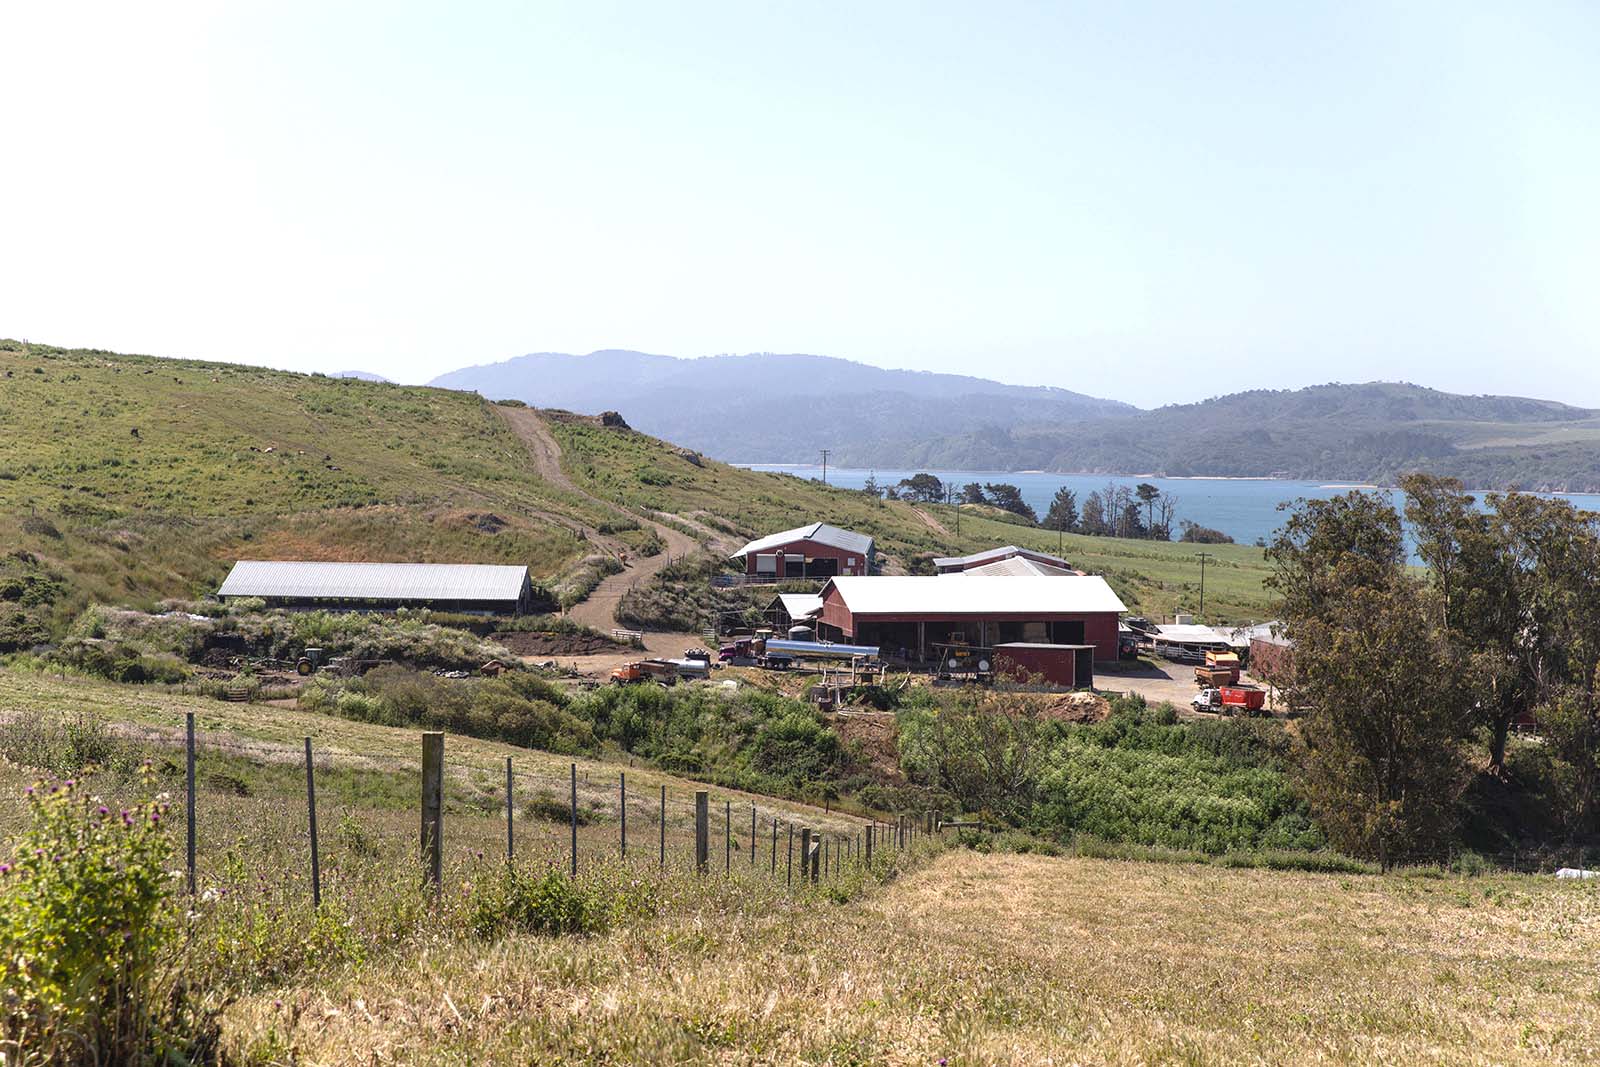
(1061, 666)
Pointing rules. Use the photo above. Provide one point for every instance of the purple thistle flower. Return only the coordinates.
(102, 810)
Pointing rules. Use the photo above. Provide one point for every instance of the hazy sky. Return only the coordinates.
(1153, 202)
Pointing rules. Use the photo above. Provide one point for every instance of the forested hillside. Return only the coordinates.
(1362, 433)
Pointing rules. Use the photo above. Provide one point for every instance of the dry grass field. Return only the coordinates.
(938, 955)
(989, 959)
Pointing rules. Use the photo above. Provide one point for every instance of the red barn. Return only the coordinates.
(906, 616)
(815, 551)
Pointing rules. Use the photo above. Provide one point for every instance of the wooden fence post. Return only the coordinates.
(805, 853)
(509, 810)
(774, 871)
(188, 721)
(622, 789)
(574, 820)
(816, 856)
(788, 870)
(702, 830)
(311, 813)
(825, 842)
(752, 835)
(871, 826)
(663, 828)
(433, 807)
(727, 836)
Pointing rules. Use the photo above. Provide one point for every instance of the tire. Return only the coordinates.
(303, 667)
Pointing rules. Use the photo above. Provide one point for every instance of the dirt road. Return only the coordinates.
(599, 609)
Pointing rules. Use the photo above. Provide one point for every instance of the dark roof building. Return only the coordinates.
(466, 587)
(814, 551)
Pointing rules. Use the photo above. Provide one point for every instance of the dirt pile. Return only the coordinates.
(878, 737)
(1078, 708)
(555, 644)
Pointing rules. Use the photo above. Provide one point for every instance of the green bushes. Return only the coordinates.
(66, 745)
(549, 904)
(1139, 777)
(519, 708)
(86, 928)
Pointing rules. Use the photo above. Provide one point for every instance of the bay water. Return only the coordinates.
(1246, 509)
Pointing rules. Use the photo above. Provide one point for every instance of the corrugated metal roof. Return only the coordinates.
(1014, 567)
(821, 532)
(800, 605)
(1197, 635)
(982, 595)
(374, 581)
(992, 555)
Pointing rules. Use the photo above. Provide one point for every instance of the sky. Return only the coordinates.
(1151, 202)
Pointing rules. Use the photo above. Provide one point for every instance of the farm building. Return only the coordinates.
(1271, 656)
(793, 609)
(1189, 642)
(1008, 561)
(908, 616)
(1055, 666)
(815, 551)
(464, 587)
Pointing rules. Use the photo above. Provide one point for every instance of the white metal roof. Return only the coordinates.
(800, 605)
(1197, 635)
(820, 532)
(1012, 567)
(993, 555)
(374, 581)
(980, 595)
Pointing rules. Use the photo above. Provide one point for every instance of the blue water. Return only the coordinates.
(1247, 509)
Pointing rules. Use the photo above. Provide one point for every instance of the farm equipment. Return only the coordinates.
(958, 658)
(777, 654)
(1220, 669)
(646, 670)
(1231, 698)
(310, 661)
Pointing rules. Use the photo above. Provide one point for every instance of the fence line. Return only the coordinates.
(825, 854)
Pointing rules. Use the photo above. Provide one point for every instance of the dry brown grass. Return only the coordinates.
(1004, 959)
(976, 959)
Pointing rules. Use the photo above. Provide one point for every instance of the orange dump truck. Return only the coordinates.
(1221, 668)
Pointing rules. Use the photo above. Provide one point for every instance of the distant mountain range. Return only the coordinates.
(783, 409)
(768, 408)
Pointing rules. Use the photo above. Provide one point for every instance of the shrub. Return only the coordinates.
(85, 932)
(549, 904)
(65, 745)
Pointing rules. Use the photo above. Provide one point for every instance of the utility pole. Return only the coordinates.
(1061, 532)
(1203, 557)
(825, 452)
(950, 498)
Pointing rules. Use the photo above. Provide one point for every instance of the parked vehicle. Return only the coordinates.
(1231, 698)
(646, 670)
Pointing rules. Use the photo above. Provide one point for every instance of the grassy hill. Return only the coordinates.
(129, 479)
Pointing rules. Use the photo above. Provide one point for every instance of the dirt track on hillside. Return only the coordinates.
(599, 609)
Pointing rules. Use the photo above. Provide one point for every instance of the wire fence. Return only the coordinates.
(621, 821)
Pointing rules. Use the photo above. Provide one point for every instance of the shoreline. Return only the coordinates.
(1307, 482)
